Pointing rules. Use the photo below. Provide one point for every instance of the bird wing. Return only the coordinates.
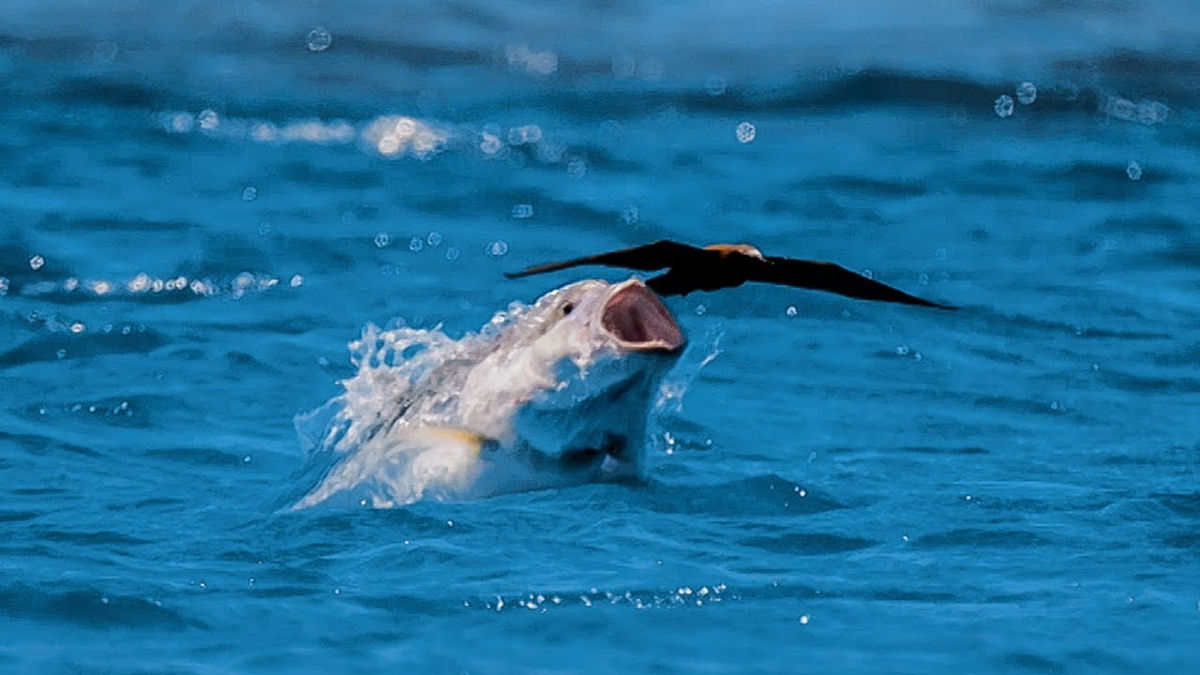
(646, 258)
(825, 276)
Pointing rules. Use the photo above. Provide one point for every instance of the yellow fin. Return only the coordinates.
(404, 466)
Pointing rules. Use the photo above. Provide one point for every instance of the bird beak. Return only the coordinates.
(635, 317)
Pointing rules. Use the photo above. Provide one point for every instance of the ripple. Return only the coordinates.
(808, 543)
(90, 608)
(974, 537)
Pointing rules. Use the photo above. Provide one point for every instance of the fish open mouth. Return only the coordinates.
(639, 321)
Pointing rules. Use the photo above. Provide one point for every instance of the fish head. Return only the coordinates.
(579, 369)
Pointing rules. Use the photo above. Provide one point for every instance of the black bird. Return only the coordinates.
(690, 268)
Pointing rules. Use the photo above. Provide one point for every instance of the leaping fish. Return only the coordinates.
(558, 395)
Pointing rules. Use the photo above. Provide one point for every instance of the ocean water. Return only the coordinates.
(203, 204)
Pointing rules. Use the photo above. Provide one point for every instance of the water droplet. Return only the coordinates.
(576, 167)
(319, 39)
(209, 119)
(434, 239)
(250, 193)
(416, 244)
(715, 86)
(36, 262)
(1134, 171)
(77, 327)
(522, 211)
(490, 144)
(1004, 106)
(383, 240)
(624, 66)
(497, 248)
(452, 253)
(791, 310)
(1026, 93)
(746, 132)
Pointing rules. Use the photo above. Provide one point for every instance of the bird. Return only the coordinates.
(716, 266)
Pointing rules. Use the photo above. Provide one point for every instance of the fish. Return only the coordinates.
(551, 394)
(718, 266)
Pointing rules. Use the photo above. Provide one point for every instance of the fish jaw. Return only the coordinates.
(637, 320)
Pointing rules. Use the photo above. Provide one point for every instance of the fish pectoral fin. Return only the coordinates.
(405, 466)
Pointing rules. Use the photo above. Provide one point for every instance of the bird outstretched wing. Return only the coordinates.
(833, 278)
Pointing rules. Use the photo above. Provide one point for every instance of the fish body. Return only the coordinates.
(555, 393)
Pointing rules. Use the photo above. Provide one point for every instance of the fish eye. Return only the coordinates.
(568, 308)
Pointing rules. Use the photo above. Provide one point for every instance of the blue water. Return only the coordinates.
(837, 486)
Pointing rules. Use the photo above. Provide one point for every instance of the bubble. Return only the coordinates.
(36, 262)
(416, 244)
(629, 215)
(296, 280)
(1026, 93)
(319, 39)
(77, 327)
(434, 239)
(3, 286)
(746, 132)
(715, 86)
(791, 310)
(250, 193)
(497, 248)
(61, 354)
(700, 310)
(383, 240)
(1134, 171)
(1004, 106)
(804, 619)
(868, 274)
(522, 211)
(452, 253)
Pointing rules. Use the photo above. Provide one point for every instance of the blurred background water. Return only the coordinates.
(202, 202)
